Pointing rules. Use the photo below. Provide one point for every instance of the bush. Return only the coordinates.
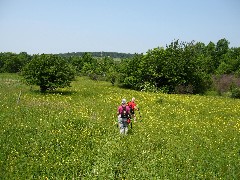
(148, 87)
(49, 72)
(225, 83)
(235, 93)
(184, 89)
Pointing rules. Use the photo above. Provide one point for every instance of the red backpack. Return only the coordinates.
(131, 106)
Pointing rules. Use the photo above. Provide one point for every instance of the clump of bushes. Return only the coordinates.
(227, 84)
(235, 93)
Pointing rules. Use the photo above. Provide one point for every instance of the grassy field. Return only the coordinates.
(72, 134)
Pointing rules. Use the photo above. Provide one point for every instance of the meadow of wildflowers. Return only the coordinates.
(72, 134)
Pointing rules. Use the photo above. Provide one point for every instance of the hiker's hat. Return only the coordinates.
(124, 101)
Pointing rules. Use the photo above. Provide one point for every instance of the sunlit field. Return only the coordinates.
(72, 134)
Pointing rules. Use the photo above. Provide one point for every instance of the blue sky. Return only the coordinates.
(129, 26)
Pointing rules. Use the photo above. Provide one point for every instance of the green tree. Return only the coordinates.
(173, 67)
(221, 49)
(152, 68)
(49, 72)
(204, 57)
(77, 62)
(104, 64)
(89, 65)
(13, 63)
(112, 75)
(230, 63)
(129, 74)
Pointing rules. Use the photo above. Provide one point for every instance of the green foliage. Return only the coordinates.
(180, 67)
(230, 62)
(77, 62)
(222, 47)
(129, 70)
(170, 68)
(98, 54)
(112, 75)
(13, 63)
(148, 87)
(89, 65)
(103, 66)
(152, 66)
(49, 72)
(235, 92)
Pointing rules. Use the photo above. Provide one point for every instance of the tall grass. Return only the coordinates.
(72, 134)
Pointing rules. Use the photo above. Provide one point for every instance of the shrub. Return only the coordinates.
(225, 83)
(184, 89)
(49, 72)
(235, 93)
(148, 87)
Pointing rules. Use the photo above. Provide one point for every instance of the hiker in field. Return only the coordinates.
(133, 106)
(123, 114)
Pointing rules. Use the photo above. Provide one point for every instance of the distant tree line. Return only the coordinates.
(98, 54)
(180, 67)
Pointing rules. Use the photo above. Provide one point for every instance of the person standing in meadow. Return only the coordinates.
(133, 106)
(123, 114)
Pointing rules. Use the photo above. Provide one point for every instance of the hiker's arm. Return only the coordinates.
(135, 107)
(118, 112)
